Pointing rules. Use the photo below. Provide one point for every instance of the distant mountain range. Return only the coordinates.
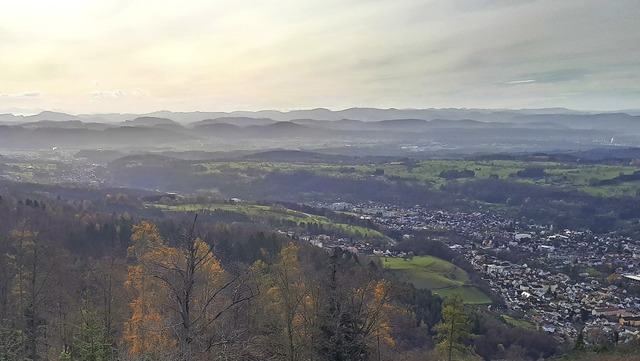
(363, 114)
(445, 127)
(264, 117)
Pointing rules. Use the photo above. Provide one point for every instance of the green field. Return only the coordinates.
(586, 178)
(582, 177)
(270, 214)
(518, 323)
(439, 276)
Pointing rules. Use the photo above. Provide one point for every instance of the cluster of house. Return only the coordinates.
(329, 243)
(561, 287)
(559, 303)
(56, 167)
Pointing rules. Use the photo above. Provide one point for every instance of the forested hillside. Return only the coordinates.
(81, 281)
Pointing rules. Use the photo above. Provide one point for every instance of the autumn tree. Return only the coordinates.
(282, 313)
(183, 292)
(146, 333)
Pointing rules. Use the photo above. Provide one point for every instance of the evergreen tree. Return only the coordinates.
(455, 330)
(12, 343)
(579, 346)
(91, 342)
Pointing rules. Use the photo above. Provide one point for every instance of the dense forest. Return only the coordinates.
(80, 281)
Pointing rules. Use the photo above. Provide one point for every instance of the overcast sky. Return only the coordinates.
(138, 56)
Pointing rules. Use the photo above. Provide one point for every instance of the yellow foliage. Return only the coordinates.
(258, 265)
(308, 302)
(379, 306)
(144, 332)
(155, 280)
(289, 255)
(23, 238)
(145, 235)
(381, 290)
(210, 262)
(298, 320)
(273, 292)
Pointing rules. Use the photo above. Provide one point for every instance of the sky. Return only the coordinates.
(124, 56)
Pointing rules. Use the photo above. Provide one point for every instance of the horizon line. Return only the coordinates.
(286, 110)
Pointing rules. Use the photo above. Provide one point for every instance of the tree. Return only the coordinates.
(101, 285)
(354, 311)
(182, 292)
(91, 341)
(146, 333)
(197, 283)
(32, 276)
(282, 309)
(455, 329)
(425, 306)
(531, 172)
(12, 343)
(579, 345)
(8, 272)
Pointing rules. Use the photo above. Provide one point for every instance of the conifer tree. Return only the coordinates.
(454, 331)
(91, 342)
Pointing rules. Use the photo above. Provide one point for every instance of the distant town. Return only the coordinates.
(538, 290)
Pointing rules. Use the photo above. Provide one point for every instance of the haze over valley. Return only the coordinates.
(326, 180)
(423, 133)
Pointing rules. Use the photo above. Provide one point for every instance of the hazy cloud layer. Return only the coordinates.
(220, 55)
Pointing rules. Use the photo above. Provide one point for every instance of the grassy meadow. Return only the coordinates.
(436, 275)
(518, 323)
(427, 173)
(276, 214)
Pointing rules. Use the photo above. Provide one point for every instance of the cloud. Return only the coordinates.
(549, 77)
(137, 92)
(31, 94)
(106, 94)
(203, 54)
(118, 94)
(522, 81)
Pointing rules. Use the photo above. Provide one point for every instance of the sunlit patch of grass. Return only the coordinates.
(436, 275)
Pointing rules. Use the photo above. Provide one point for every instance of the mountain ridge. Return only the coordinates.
(354, 113)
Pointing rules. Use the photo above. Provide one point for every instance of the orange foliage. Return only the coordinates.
(381, 307)
(155, 280)
(145, 331)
